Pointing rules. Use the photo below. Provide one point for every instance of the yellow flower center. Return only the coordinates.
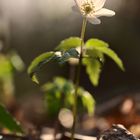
(87, 8)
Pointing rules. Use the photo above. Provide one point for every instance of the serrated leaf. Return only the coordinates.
(71, 53)
(93, 69)
(38, 62)
(7, 121)
(69, 43)
(103, 47)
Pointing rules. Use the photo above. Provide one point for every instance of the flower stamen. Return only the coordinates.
(87, 8)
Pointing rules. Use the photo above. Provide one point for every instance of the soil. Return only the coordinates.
(117, 132)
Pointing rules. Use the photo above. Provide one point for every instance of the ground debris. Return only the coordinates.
(117, 132)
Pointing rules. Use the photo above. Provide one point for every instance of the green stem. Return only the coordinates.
(78, 78)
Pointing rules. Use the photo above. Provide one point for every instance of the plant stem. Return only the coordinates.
(78, 78)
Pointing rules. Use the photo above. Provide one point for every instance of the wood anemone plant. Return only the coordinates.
(93, 59)
(77, 51)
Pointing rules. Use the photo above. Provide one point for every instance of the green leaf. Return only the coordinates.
(55, 94)
(96, 42)
(35, 78)
(7, 121)
(38, 62)
(52, 104)
(60, 94)
(87, 101)
(102, 47)
(69, 43)
(71, 53)
(94, 54)
(93, 69)
(6, 69)
(16, 61)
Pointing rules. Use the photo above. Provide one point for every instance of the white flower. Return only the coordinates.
(92, 9)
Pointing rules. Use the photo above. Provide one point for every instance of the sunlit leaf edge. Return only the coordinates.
(104, 48)
(38, 62)
(69, 43)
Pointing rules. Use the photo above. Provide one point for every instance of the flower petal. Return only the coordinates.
(94, 20)
(98, 4)
(104, 12)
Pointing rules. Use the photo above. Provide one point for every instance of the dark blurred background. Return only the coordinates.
(32, 27)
